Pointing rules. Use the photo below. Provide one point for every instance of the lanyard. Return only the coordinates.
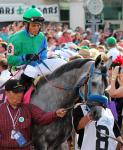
(14, 120)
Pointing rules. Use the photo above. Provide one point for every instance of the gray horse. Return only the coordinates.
(59, 89)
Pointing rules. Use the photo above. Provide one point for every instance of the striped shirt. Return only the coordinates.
(29, 113)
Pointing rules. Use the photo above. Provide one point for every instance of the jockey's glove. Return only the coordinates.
(32, 57)
(96, 112)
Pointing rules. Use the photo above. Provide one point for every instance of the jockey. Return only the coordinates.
(93, 119)
(28, 46)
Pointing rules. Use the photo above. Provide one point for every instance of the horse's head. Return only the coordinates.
(97, 79)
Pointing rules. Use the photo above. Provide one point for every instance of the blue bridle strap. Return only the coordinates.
(91, 72)
(79, 85)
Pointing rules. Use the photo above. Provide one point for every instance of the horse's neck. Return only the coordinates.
(73, 76)
(50, 96)
(83, 71)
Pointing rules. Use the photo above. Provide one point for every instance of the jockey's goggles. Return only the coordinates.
(35, 19)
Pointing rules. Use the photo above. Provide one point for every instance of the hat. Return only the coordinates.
(111, 41)
(94, 53)
(84, 51)
(14, 85)
(84, 47)
(33, 14)
(103, 100)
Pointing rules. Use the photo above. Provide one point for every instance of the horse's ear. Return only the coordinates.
(108, 63)
(97, 61)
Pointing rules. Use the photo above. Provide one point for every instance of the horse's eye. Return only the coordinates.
(94, 83)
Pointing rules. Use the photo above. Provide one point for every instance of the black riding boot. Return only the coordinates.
(26, 81)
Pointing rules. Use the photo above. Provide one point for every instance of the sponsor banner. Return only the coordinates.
(14, 12)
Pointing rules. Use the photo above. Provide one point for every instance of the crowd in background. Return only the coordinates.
(58, 35)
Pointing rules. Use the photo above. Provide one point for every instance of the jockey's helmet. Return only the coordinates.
(33, 14)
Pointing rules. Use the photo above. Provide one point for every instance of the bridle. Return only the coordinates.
(86, 81)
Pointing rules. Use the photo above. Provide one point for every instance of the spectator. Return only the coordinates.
(65, 38)
(76, 38)
(16, 26)
(115, 90)
(58, 32)
(101, 48)
(85, 43)
(4, 34)
(3, 48)
(52, 45)
(4, 76)
(16, 118)
(113, 51)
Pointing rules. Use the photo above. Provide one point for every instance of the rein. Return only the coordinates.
(53, 85)
(84, 81)
(66, 87)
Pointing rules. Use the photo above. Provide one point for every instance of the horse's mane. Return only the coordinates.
(78, 63)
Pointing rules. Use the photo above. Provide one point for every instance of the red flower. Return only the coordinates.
(119, 59)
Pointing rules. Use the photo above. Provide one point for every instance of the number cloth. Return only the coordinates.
(89, 137)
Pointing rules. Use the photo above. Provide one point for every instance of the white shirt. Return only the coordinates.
(114, 52)
(92, 138)
(5, 75)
